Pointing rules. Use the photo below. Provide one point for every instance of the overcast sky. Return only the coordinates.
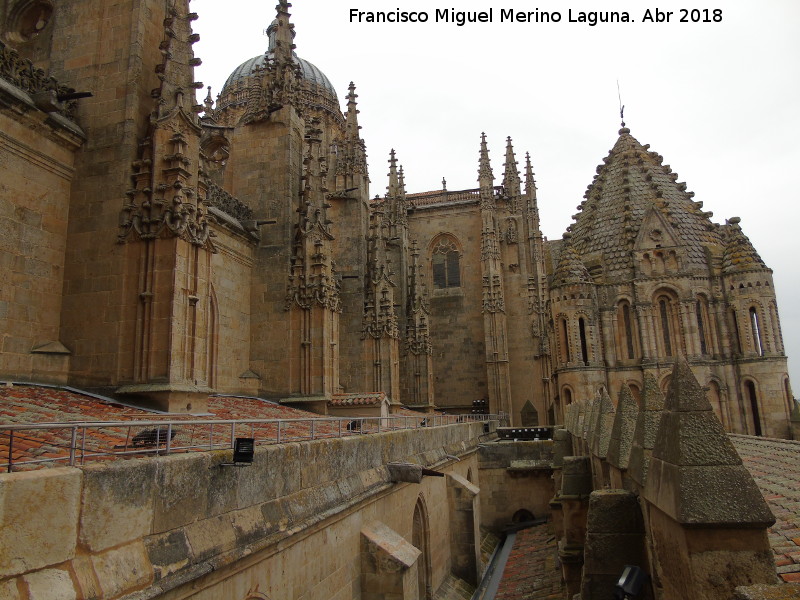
(719, 100)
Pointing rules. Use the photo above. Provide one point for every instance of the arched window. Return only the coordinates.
(737, 338)
(703, 330)
(625, 324)
(445, 259)
(664, 312)
(584, 345)
(667, 323)
(567, 395)
(750, 390)
(755, 325)
(563, 331)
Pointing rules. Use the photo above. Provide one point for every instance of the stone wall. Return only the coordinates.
(515, 476)
(183, 526)
(37, 154)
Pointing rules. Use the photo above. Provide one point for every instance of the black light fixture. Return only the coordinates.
(243, 451)
(630, 583)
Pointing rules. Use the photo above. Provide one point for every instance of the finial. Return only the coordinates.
(621, 106)
(485, 175)
(444, 184)
(209, 101)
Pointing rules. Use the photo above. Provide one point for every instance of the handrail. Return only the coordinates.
(78, 441)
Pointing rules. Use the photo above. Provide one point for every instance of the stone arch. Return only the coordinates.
(445, 254)
(523, 515)
(420, 538)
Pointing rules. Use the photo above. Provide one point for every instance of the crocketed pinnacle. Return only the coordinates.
(570, 269)
(393, 190)
(530, 182)
(739, 254)
(176, 71)
(629, 185)
(511, 180)
(352, 126)
(281, 33)
(485, 175)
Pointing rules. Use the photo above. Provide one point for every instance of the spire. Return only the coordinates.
(511, 181)
(352, 114)
(401, 181)
(176, 71)
(393, 191)
(530, 182)
(739, 254)
(570, 269)
(485, 175)
(281, 33)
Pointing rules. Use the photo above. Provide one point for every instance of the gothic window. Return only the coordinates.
(758, 342)
(446, 264)
(584, 345)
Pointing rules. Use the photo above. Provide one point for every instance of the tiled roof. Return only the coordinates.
(775, 467)
(532, 570)
(34, 404)
(374, 399)
(631, 182)
(570, 269)
(739, 254)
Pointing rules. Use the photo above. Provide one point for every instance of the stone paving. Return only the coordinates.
(775, 466)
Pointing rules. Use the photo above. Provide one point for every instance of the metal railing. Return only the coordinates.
(47, 444)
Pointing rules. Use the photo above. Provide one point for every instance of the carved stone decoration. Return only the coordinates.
(219, 198)
(417, 339)
(312, 273)
(44, 89)
(493, 299)
(380, 318)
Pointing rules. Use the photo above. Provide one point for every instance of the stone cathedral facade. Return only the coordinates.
(163, 249)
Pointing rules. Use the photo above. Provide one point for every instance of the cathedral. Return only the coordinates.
(162, 250)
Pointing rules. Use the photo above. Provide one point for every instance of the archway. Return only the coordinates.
(420, 538)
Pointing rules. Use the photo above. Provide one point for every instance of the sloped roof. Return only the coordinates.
(570, 269)
(630, 182)
(739, 254)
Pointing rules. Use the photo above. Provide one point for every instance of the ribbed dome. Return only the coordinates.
(310, 72)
